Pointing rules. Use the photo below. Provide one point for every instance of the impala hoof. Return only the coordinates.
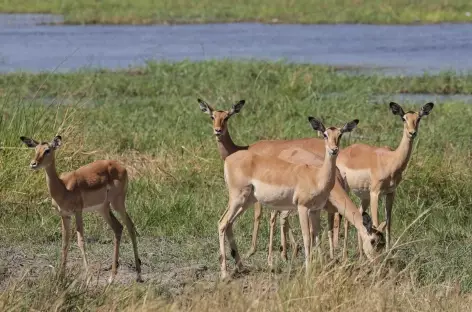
(108, 268)
(225, 278)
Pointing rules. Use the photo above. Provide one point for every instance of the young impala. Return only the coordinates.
(93, 187)
(283, 185)
(371, 172)
(226, 147)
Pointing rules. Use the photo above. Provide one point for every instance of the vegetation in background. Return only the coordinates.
(149, 119)
(266, 11)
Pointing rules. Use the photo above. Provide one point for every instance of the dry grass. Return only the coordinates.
(342, 287)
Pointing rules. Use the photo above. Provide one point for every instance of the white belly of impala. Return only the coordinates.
(93, 208)
(358, 181)
(278, 197)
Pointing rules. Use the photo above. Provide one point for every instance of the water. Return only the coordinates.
(406, 98)
(421, 98)
(398, 49)
(16, 20)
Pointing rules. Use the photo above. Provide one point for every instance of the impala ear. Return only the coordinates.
(367, 222)
(316, 124)
(350, 126)
(29, 142)
(205, 107)
(396, 109)
(56, 142)
(426, 109)
(237, 107)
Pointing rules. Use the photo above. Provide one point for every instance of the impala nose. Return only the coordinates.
(413, 134)
(218, 131)
(34, 165)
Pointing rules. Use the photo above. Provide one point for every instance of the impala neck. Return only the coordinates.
(344, 205)
(403, 152)
(226, 145)
(55, 185)
(328, 170)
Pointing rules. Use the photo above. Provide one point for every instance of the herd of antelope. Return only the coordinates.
(304, 175)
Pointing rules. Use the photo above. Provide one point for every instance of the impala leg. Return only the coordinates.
(314, 223)
(117, 229)
(234, 247)
(79, 221)
(285, 224)
(364, 207)
(118, 205)
(305, 226)
(225, 228)
(374, 207)
(222, 225)
(310, 224)
(331, 221)
(388, 215)
(255, 231)
(332, 218)
(337, 218)
(65, 224)
(273, 218)
(232, 241)
(284, 231)
(346, 235)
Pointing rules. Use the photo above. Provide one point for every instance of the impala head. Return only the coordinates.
(44, 152)
(374, 242)
(220, 118)
(411, 120)
(332, 135)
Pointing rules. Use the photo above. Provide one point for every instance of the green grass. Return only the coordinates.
(149, 119)
(279, 11)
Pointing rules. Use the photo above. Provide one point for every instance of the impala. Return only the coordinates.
(371, 172)
(283, 185)
(297, 155)
(226, 147)
(93, 187)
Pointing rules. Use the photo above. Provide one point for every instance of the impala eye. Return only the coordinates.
(403, 118)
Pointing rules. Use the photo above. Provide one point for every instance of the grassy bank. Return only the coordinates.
(279, 11)
(149, 119)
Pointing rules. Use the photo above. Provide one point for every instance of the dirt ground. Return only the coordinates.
(30, 261)
(171, 267)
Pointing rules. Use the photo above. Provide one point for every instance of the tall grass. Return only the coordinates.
(344, 287)
(149, 119)
(278, 11)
